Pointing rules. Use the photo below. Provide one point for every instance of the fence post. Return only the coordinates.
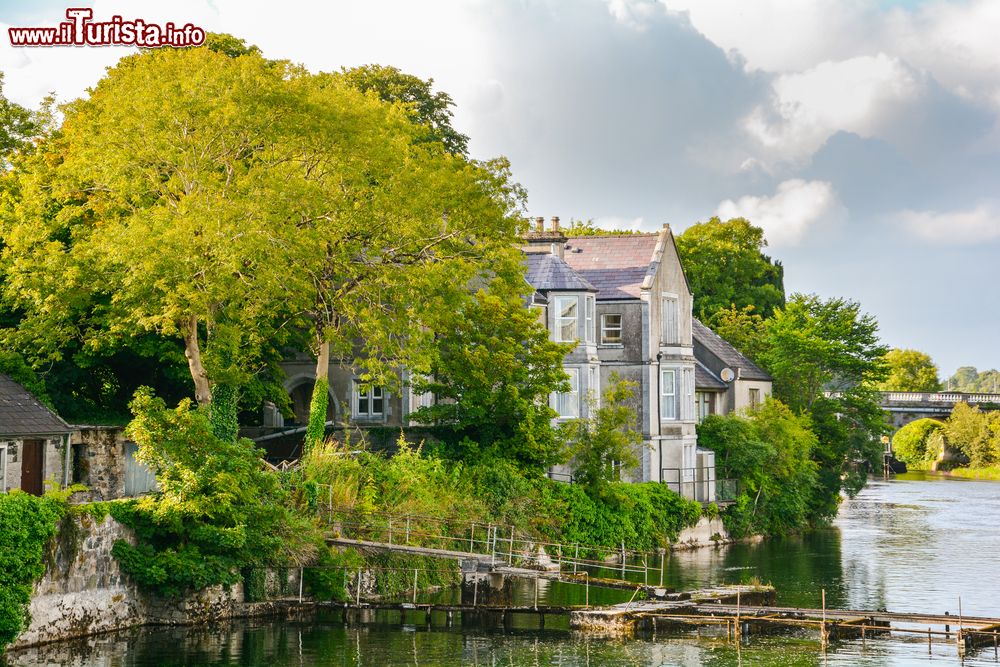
(415, 585)
(663, 557)
(472, 536)
(510, 552)
(586, 599)
(407, 530)
(358, 594)
(390, 530)
(536, 592)
(300, 585)
(623, 559)
(576, 557)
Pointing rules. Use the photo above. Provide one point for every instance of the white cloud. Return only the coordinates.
(864, 95)
(796, 207)
(968, 227)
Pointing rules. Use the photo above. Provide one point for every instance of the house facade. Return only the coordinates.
(34, 442)
(725, 380)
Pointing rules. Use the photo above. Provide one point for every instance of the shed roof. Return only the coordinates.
(21, 415)
(728, 354)
(615, 265)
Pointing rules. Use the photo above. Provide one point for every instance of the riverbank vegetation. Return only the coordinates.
(966, 444)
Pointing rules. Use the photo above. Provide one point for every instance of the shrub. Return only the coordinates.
(27, 523)
(910, 444)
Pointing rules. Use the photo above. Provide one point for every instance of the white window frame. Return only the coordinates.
(590, 307)
(668, 394)
(605, 329)
(3, 468)
(569, 399)
(561, 320)
(368, 395)
(670, 332)
(702, 404)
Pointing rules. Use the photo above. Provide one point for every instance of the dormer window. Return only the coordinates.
(567, 314)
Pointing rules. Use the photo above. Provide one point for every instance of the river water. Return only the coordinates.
(913, 544)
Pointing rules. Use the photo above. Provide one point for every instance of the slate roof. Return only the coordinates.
(704, 379)
(729, 355)
(21, 415)
(615, 265)
(547, 272)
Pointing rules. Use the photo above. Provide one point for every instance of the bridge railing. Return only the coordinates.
(930, 397)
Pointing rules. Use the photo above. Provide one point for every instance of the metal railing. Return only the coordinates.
(700, 484)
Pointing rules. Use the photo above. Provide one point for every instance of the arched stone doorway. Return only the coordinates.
(301, 395)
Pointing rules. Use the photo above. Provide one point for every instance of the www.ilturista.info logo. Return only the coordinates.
(80, 30)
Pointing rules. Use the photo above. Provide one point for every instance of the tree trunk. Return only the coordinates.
(202, 387)
(316, 430)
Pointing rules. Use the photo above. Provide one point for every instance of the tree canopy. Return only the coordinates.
(969, 379)
(726, 267)
(910, 370)
(429, 109)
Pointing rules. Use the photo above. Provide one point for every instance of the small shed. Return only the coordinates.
(34, 441)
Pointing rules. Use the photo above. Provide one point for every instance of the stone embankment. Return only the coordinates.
(84, 591)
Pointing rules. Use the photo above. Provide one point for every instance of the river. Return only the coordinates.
(913, 544)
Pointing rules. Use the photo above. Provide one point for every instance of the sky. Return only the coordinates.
(862, 136)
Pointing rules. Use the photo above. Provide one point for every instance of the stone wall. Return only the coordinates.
(706, 533)
(99, 461)
(84, 591)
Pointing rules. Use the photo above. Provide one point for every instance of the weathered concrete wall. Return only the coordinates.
(702, 534)
(84, 591)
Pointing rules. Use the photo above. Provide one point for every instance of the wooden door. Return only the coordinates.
(32, 458)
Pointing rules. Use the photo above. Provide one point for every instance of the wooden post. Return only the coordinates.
(358, 592)
(823, 638)
(559, 556)
(663, 558)
(415, 585)
(300, 585)
(587, 598)
(623, 559)
(493, 551)
(390, 530)
(737, 628)
(645, 571)
(475, 591)
(536, 593)
(959, 637)
(510, 552)
(576, 557)
(472, 537)
(407, 530)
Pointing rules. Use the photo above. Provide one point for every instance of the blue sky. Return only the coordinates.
(861, 135)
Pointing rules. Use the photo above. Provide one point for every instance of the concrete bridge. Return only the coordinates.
(906, 406)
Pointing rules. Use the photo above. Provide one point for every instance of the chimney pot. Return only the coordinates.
(555, 223)
(539, 224)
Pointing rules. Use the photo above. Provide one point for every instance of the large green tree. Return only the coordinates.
(725, 265)
(910, 370)
(494, 371)
(971, 380)
(159, 207)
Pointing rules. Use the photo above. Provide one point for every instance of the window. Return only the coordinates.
(703, 404)
(611, 329)
(589, 319)
(369, 403)
(595, 385)
(687, 394)
(668, 394)
(568, 403)
(671, 330)
(754, 397)
(566, 316)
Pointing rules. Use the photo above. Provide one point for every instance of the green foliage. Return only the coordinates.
(975, 434)
(27, 523)
(643, 516)
(743, 328)
(493, 371)
(607, 441)
(910, 443)
(17, 126)
(254, 584)
(589, 228)
(217, 510)
(326, 578)
(969, 379)
(316, 428)
(726, 267)
(428, 109)
(223, 413)
(770, 452)
(910, 370)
